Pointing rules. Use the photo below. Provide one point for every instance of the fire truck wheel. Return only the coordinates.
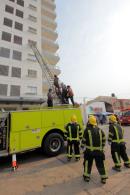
(53, 144)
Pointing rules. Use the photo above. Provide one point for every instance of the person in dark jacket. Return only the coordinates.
(73, 135)
(57, 86)
(94, 141)
(64, 94)
(70, 94)
(56, 82)
(116, 140)
(50, 98)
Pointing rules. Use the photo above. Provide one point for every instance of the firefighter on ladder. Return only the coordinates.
(93, 142)
(116, 140)
(73, 135)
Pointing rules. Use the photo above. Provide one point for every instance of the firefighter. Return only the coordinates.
(116, 140)
(50, 98)
(93, 142)
(56, 82)
(73, 135)
(57, 86)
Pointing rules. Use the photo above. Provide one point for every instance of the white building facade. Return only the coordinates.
(23, 21)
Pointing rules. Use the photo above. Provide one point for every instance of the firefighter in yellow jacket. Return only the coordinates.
(116, 140)
(94, 141)
(73, 135)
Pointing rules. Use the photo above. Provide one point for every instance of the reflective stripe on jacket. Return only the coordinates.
(94, 138)
(73, 131)
(116, 133)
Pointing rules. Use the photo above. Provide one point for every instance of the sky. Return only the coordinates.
(94, 46)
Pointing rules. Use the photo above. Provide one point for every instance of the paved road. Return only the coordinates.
(38, 175)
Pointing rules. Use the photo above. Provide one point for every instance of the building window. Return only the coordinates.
(6, 36)
(18, 40)
(4, 70)
(32, 7)
(32, 73)
(12, 0)
(31, 90)
(19, 13)
(31, 42)
(32, 30)
(32, 18)
(18, 26)
(17, 55)
(31, 57)
(8, 22)
(15, 90)
(4, 52)
(3, 89)
(16, 72)
(20, 2)
(9, 9)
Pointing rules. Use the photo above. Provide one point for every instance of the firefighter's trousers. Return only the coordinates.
(73, 147)
(99, 158)
(118, 151)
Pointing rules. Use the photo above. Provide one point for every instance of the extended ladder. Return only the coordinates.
(44, 66)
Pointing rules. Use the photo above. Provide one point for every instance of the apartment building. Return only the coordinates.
(22, 22)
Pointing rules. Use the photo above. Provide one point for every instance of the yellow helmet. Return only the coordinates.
(112, 118)
(92, 120)
(90, 115)
(73, 119)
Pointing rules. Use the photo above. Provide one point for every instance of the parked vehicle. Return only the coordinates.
(125, 117)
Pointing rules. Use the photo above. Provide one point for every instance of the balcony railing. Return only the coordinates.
(51, 58)
(49, 45)
(50, 24)
(48, 14)
(49, 34)
(49, 4)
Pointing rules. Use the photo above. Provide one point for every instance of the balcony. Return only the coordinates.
(49, 34)
(49, 4)
(50, 46)
(49, 14)
(55, 69)
(50, 24)
(51, 58)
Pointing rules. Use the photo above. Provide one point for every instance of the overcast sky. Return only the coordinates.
(94, 40)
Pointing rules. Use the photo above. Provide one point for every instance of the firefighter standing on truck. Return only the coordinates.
(94, 141)
(73, 135)
(116, 140)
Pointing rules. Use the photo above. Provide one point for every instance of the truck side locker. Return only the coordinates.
(4, 133)
(25, 130)
(52, 118)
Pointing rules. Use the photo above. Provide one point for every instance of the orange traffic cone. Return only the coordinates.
(14, 162)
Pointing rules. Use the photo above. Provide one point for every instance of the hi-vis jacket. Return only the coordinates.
(73, 132)
(94, 139)
(116, 133)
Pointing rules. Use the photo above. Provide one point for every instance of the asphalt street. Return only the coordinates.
(39, 175)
